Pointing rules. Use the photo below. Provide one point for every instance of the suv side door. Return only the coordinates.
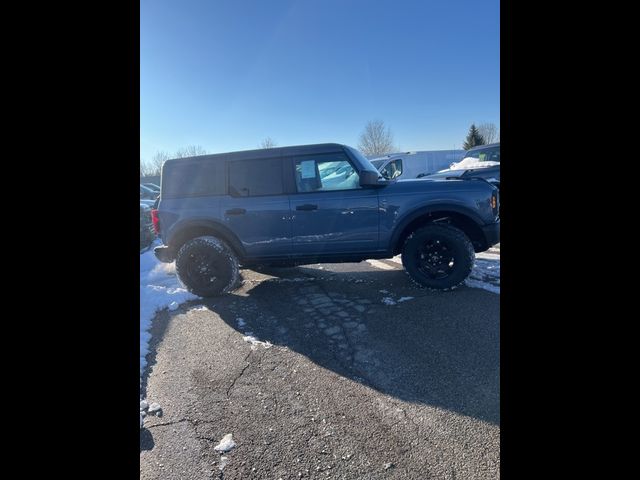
(257, 208)
(331, 213)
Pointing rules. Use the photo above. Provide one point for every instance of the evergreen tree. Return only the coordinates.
(473, 138)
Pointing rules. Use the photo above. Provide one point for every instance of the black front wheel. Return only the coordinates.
(438, 256)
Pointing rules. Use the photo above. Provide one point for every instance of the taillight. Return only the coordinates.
(495, 203)
(156, 221)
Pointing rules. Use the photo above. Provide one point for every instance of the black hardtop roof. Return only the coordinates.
(264, 153)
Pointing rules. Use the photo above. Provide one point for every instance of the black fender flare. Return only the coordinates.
(221, 230)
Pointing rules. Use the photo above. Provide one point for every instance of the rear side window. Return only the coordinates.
(193, 179)
(251, 178)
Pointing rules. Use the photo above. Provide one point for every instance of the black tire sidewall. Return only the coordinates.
(463, 255)
(222, 261)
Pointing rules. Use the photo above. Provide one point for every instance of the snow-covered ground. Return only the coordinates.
(159, 288)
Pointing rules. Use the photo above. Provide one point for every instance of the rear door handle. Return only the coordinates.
(236, 211)
(307, 207)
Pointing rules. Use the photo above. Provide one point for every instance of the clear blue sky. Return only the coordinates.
(225, 74)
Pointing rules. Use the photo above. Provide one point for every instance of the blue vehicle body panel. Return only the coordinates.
(344, 222)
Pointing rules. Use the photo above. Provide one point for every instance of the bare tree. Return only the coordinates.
(489, 132)
(144, 168)
(268, 143)
(376, 139)
(190, 151)
(153, 167)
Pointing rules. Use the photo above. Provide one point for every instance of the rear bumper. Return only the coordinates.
(164, 254)
(491, 233)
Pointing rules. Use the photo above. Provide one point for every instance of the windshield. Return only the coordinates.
(490, 154)
(378, 163)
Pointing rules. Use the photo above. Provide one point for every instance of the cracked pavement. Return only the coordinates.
(347, 387)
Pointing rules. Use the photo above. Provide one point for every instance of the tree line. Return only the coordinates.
(153, 167)
(375, 140)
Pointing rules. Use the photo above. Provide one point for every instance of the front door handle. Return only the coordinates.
(236, 211)
(307, 207)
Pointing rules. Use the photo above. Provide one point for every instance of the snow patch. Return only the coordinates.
(226, 444)
(388, 301)
(255, 342)
(485, 273)
(469, 163)
(404, 299)
(199, 308)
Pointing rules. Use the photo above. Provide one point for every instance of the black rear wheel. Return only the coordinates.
(207, 266)
(438, 256)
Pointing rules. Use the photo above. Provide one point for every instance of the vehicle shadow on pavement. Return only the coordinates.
(436, 348)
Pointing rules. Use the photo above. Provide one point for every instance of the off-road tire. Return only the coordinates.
(207, 267)
(458, 256)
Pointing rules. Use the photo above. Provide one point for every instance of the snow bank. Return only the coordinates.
(159, 288)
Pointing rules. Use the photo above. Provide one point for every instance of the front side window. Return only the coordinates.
(325, 172)
(251, 178)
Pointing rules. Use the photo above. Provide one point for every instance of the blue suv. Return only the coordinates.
(322, 203)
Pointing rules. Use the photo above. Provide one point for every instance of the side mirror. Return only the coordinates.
(368, 178)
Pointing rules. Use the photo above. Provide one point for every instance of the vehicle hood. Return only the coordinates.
(435, 185)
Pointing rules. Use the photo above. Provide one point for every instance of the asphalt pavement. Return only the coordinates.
(344, 371)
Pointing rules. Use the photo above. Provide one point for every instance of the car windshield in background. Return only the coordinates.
(377, 163)
(491, 154)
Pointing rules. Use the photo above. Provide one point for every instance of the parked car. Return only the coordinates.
(479, 162)
(315, 203)
(484, 153)
(147, 193)
(152, 186)
(411, 164)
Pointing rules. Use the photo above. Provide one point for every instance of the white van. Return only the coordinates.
(411, 164)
